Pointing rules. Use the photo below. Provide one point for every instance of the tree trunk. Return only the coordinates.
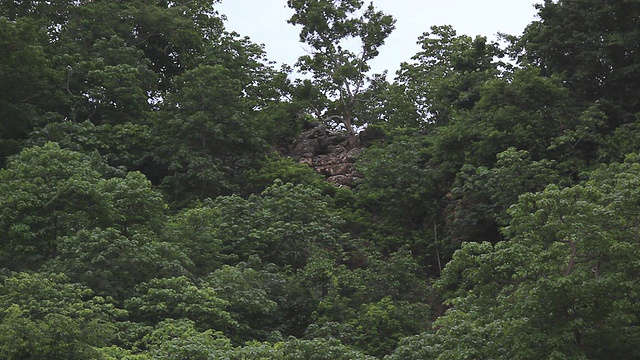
(351, 134)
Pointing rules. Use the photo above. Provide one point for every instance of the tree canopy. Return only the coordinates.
(153, 203)
(339, 72)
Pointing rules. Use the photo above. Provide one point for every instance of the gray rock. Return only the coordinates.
(326, 152)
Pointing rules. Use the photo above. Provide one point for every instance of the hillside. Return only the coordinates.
(167, 193)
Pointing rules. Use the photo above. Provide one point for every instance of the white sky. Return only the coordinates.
(265, 22)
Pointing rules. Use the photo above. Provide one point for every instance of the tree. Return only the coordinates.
(112, 263)
(564, 284)
(179, 298)
(25, 75)
(397, 203)
(131, 55)
(480, 197)
(45, 193)
(112, 74)
(340, 73)
(447, 74)
(107, 70)
(593, 46)
(218, 119)
(131, 145)
(181, 340)
(252, 295)
(396, 186)
(53, 198)
(370, 307)
(46, 317)
(284, 225)
(296, 349)
(389, 107)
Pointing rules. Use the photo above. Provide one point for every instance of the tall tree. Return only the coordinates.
(594, 45)
(447, 74)
(24, 73)
(327, 26)
(217, 119)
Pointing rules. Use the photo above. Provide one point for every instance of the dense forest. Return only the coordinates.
(149, 208)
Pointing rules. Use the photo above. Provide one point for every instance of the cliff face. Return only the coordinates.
(327, 152)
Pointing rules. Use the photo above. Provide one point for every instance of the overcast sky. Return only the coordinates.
(265, 22)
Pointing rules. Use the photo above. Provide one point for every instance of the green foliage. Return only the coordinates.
(388, 107)
(108, 76)
(471, 214)
(24, 74)
(275, 167)
(370, 308)
(381, 324)
(447, 73)
(563, 285)
(46, 192)
(295, 221)
(156, 38)
(134, 204)
(179, 298)
(117, 353)
(318, 349)
(143, 56)
(624, 140)
(397, 203)
(294, 349)
(396, 184)
(592, 45)
(251, 294)
(480, 197)
(49, 193)
(180, 340)
(44, 316)
(515, 174)
(525, 112)
(195, 231)
(112, 263)
(338, 72)
(257, 257)
(110, 84)
(285, 225)
(130, 144)
(210, 124)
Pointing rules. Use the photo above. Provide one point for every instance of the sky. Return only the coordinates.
(265, 22)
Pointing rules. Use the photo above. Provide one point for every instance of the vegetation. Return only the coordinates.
(145, 214)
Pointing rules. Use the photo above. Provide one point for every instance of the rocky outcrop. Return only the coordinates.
(326, 151)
